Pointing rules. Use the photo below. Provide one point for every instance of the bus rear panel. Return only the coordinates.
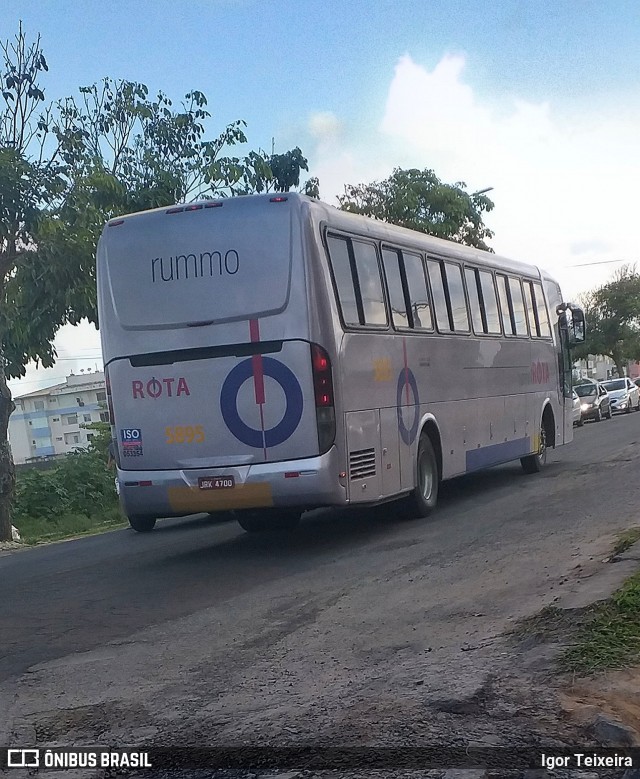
(220, 399)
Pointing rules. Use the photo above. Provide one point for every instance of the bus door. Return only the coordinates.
(565, 380)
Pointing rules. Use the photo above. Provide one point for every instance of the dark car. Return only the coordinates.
(595, 402)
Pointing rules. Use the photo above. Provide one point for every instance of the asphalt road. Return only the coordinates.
(128, 616)
(76, 595)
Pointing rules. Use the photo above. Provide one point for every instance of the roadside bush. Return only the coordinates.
(80, 484)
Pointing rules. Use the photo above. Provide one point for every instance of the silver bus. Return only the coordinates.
(273, 354)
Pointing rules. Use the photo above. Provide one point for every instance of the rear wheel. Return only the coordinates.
(422, 501)
(269, 520)
(532, 463)
(142, 524)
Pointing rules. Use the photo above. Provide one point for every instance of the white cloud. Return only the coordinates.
(324, 126)
(564, 181)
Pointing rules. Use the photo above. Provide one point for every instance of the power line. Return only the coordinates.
(600, 262)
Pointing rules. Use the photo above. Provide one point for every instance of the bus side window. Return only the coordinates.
(438, 291)
(541, 308)
(418, 294)
(517, 302)
(343, 277)
(392, 271)
(370, 283)
(532, 313)
(489, 302)
(508, 322)
(457, 300)
(477, 314)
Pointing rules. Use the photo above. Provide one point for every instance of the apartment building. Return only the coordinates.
(47, 423)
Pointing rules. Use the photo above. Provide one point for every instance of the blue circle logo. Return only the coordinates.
(252, 436)
(406, 380)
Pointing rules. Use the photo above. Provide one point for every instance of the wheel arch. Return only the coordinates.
(548, 421)
(430, 427)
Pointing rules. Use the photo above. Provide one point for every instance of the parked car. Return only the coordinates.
(577, 411)
(624, 394)
(594, 401)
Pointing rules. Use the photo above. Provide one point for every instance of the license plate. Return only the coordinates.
(216, 482)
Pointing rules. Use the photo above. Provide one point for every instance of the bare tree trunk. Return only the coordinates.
(7, 468)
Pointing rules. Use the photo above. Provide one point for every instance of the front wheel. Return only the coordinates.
(142, 524)
(269, 520)
(532, 463)
(610, 413)
(580, 422)
(598, 416)
(422, 501)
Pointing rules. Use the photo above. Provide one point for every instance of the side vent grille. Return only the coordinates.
(362, 464)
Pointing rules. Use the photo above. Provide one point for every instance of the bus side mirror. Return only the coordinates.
(577, 332)
(571, 319)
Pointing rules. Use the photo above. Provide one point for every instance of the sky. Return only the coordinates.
(538, 99)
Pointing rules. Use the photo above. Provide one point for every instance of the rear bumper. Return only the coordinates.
(177, 493)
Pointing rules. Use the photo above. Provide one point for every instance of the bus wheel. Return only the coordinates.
(142, 524)
(422, 501)
(268, 520)
(532, 463)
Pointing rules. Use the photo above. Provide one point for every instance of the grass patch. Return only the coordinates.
(611, 637)
(37, 530)
(626, 540)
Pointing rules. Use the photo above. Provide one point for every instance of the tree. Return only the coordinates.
(286, 172)
(417, 199)
(68, 168)
(612, 314)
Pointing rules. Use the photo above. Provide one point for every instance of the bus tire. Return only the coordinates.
(269, 520)
(422, 501)
(142, 524)
(532, 463)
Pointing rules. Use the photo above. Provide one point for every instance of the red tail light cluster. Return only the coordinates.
(107, 383)
(323, 391)
(322, 382)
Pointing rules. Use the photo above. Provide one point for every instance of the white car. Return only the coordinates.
(577, 410)
(624, 394)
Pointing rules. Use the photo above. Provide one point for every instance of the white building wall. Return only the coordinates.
(48, 422)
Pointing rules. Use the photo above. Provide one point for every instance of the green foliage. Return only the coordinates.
(99, 443)
(80, 484)
(34, 530)
(418, 200)
(286, 169)
(612, 313)
(610, 638)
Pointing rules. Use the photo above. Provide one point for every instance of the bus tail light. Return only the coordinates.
(323, 392)
(112, 416)
(107, 382)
